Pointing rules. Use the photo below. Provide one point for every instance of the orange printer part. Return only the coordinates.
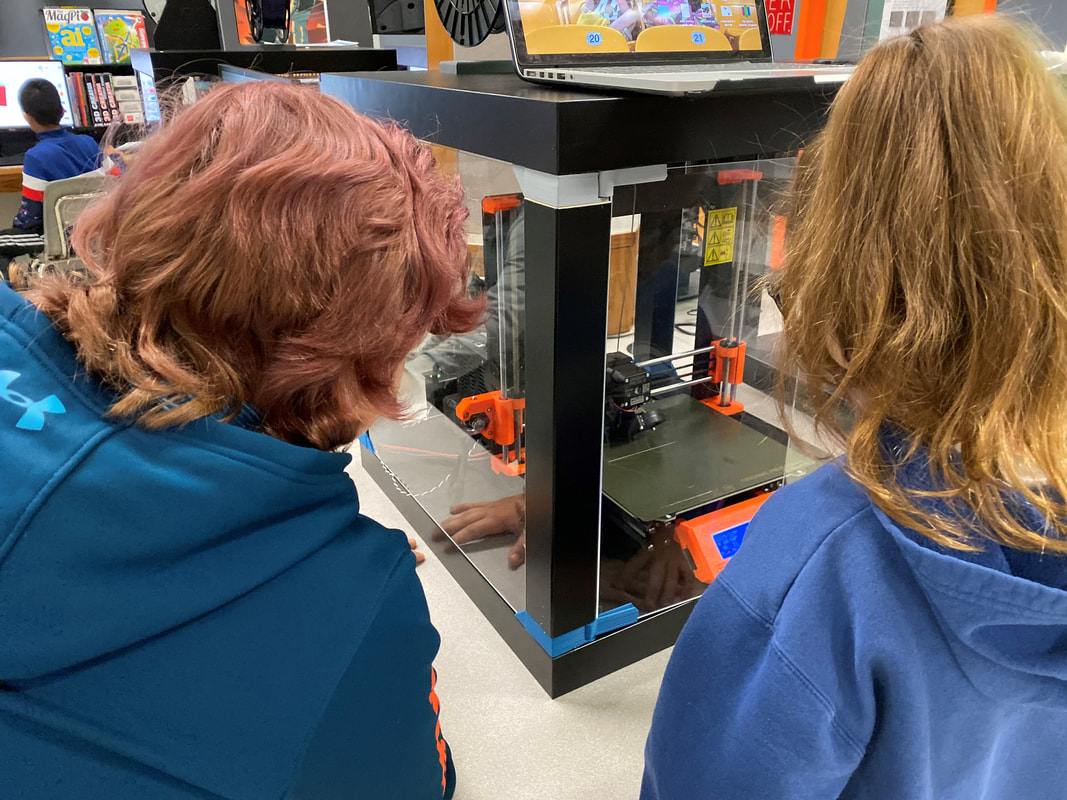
(778, 243)
(502, 415)
(513, 468)
(712, 539)
(726, 362)
(500, 202)
(729, 176)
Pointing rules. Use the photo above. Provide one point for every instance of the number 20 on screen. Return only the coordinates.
(594, 39)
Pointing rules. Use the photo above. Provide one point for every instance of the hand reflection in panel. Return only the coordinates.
(651, 574)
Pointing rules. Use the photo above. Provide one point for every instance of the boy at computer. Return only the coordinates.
(58, 154)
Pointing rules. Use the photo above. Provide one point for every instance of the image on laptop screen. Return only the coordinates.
(573, 27)
(15, 73)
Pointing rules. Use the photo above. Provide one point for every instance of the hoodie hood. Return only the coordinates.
(1003, 611)
(111, 535)
(194, 612)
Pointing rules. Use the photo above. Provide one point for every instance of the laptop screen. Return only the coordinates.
(637, 31)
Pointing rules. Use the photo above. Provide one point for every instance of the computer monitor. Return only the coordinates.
(13, 74)
(146, 80)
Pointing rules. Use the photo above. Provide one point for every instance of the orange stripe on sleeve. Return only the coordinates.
(442, 752)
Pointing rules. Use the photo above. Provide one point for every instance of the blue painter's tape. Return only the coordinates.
(366, 442)
(729, 541)
(558, 645)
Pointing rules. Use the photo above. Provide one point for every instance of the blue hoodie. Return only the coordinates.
(57, 155)
(841, 656)
(195, 613)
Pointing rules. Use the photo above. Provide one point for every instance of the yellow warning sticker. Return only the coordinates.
(719, 236)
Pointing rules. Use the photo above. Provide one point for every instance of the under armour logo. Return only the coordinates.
(33, 419)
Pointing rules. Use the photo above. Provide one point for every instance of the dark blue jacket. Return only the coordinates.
(56, 156)
(195, 613)
(839, 656)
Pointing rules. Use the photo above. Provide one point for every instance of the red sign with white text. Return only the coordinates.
(780, 16)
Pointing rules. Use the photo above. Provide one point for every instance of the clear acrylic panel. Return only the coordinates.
(461, 452)
(694, 440)
(693, 436)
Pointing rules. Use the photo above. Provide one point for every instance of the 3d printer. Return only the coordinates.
(644, 226)
(685, 464)
(685, 453)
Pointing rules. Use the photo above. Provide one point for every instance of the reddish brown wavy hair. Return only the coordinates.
(270, 245)
(925, 279)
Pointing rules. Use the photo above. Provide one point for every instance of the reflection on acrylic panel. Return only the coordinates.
(461, 454)
(281, 21)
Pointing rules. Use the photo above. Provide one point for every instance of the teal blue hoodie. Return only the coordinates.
(195, 613)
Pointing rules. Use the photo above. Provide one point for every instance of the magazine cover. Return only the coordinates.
(97, 83)
(71, 35)
(90, 96)
(120, 32)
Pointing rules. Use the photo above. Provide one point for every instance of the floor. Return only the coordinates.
(9, 206)
(508, 738)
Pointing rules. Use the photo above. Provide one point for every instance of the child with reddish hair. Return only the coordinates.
(191, 604)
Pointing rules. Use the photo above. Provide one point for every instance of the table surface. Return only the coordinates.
(276, 59)
(10, 179)
(565, 131)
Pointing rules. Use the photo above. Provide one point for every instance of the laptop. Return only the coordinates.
(673, 47)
